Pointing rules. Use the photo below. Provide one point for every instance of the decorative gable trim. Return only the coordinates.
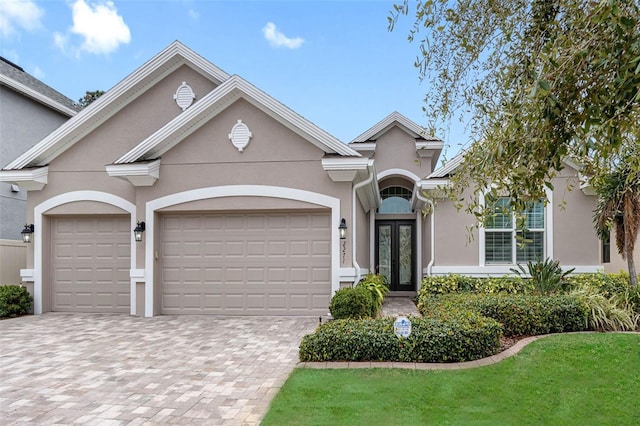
(345, 169)
(218, 100)
(395, 118)
(139, 174)
(123, 93)
(29, 179)
(449, 168)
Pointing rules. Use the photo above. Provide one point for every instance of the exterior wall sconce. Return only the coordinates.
(343, 229)
(137, 232)
(27, 233)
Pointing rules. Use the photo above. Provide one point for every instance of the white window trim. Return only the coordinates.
(548, 235)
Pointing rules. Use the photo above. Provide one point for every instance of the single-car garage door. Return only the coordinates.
(246, 264)
(90, 264)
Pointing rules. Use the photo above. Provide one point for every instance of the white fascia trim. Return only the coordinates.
(398, 172)
(365, 146)
(165, 62)
(500, 270)
(69, 197)
(29, 179)
(429, 145)
(431, 184)
(39, 97)
(345, 169)
(216, 101)
(449, 167)
(237, 191)
(349, 274)
(139, 174)
(379, 127)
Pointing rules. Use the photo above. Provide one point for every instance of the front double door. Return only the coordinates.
(395, 253)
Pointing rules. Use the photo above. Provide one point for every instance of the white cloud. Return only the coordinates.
(278, 39)
(100, 27)
(193, 14)
(19, 14)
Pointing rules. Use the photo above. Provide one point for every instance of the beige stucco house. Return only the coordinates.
(244, 203)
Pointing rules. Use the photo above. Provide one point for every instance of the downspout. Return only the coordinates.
(433, 229)
(353, 221)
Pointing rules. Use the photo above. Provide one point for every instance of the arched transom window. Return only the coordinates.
(395, 199)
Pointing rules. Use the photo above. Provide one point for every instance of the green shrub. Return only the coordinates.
(519, 314)
(352, 302)
(614, 313)
(15, 300)
(606, 284)
(377, 285)
(547, 276)
(464, 338)
(445, 284)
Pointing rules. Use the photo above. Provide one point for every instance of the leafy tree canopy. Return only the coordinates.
(543, 80)
(89, 97)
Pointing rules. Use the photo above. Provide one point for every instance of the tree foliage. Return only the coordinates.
(543, 80)
(89, 97)
(619, 208)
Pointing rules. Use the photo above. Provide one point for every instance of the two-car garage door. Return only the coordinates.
(246, 264)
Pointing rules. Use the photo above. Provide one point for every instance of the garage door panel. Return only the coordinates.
(90, 264)
(250, 264)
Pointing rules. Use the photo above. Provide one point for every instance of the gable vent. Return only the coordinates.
(184, 96)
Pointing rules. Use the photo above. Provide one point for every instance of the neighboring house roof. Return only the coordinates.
(136, 84)
(15, 78)
(394, 119)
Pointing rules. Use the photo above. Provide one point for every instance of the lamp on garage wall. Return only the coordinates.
(137, 232)
(343, 229)
(343, 235)
(27, 233)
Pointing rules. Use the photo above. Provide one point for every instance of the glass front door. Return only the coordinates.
(395, 253)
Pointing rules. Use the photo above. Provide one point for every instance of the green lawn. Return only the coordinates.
(572, 379)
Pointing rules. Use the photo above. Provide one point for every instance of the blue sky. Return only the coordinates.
(334, 62)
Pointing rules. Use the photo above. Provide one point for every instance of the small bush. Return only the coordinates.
(352, 302)
(377, 285)
(618, 312)
(15, 300)
(519, 314)
(547, 276)
(467, 337)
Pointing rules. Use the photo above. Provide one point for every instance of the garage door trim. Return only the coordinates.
(236, 191)
(69, 197)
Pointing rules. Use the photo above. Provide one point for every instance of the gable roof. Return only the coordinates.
(14, 77)
(115, 99)
(215, 102)
(394, 119)
(449, 167)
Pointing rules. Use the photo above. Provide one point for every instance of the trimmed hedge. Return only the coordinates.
(464, 338)
(606, 284)
(453, 283)
(519, 314)
(353, 302)
(15, 301)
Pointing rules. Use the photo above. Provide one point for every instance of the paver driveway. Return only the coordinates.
(116, 369)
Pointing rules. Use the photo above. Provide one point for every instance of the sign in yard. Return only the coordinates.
(402, 327)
